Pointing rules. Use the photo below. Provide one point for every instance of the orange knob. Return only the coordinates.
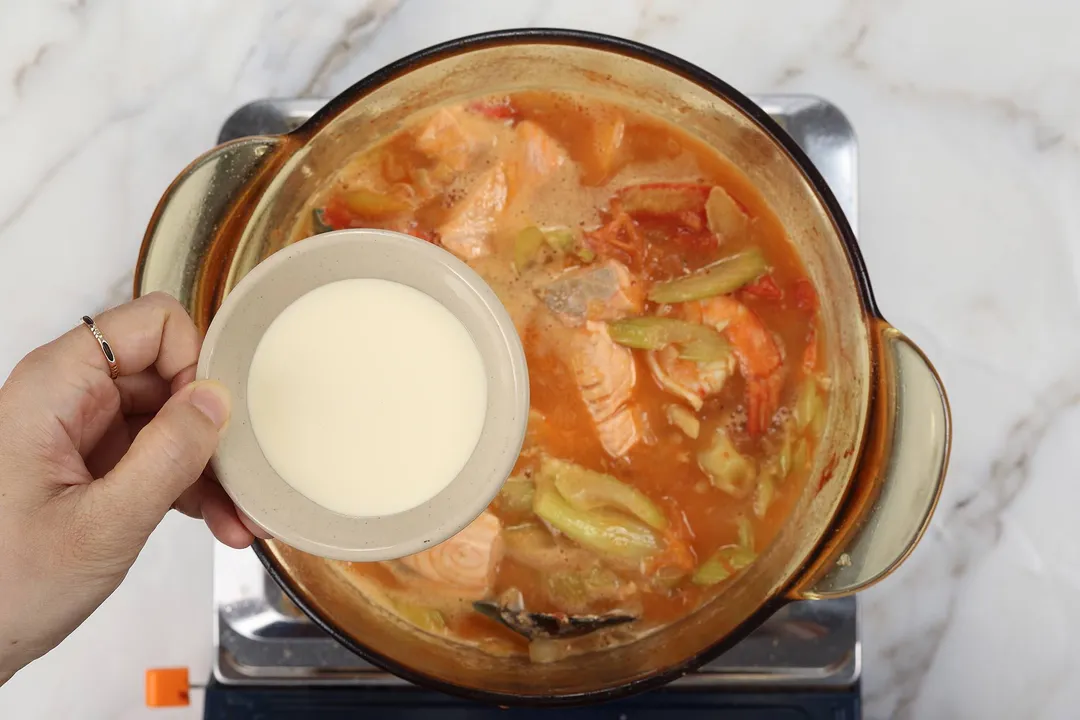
(167, 687)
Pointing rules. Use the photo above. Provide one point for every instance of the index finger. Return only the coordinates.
(153, 330)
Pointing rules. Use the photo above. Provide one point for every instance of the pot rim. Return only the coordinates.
(632, 49)
(649, 682)
(702, 78)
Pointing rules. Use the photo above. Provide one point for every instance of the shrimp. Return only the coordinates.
(692, 381)
(468, 561)
(606, 375)
(760, 358)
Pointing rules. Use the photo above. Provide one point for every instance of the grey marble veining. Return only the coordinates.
(968, 114)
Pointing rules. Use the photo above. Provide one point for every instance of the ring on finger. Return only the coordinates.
(106, 348)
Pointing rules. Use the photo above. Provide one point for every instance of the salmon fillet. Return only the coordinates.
(467, 562)
(467, 232)
(604, 291)
(605, 374)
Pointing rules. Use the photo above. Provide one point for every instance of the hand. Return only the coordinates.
(89, 466)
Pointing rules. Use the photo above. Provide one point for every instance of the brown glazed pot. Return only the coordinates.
(880, 465)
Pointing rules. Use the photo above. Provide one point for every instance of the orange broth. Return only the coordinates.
(664, 464)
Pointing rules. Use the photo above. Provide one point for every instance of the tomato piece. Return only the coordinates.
(496, 109)
(664, 198)
(765, 288)
(339, 215)
(805, 296)
(372, 205)
(410, 226)
(602, 155)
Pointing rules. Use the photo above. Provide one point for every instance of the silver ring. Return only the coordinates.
(106, 348)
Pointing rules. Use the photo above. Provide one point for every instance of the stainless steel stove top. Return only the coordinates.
(262, 639)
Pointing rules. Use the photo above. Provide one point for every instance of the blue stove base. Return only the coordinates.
(293, 703)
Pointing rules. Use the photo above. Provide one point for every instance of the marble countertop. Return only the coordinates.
(967, 113)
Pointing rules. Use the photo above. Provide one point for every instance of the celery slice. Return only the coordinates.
(722, 277)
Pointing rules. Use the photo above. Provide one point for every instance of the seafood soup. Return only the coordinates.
(676, 369)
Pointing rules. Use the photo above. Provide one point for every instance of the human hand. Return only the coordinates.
(90, 465)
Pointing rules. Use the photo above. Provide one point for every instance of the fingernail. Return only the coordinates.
(212, 400)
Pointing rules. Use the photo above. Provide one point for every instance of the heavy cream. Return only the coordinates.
(367, 396)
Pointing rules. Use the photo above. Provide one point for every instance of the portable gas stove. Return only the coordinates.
(272, 663)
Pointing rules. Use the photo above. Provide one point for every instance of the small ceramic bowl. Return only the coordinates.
(272, 286)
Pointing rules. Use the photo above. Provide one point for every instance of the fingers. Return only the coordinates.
(112, 446)
(207, 500)
(169, 454)
(252, 527)
(151, 331)
(68, 379)
(142, 393)
(183, 378)
(220, 516)
(115, 443)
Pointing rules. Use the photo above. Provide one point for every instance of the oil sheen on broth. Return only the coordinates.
(677, 381)
(367, 396)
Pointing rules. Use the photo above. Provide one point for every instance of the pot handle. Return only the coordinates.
(193, 211)
(899, 478)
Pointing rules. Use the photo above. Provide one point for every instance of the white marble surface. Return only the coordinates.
(968, 113)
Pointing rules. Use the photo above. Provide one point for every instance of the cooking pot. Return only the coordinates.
(878, 470)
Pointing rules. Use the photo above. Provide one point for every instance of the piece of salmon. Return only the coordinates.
(467, 562)
(455, 137)
(473, 219)
(521, 163)
(604, 291)
(605, 374)
(535, 154)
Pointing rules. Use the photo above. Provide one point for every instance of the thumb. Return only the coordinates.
(169, 454)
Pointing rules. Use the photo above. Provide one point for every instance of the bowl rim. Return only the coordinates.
(491, 461)
(706, 80)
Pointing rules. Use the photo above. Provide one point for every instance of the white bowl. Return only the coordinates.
(273, 285)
